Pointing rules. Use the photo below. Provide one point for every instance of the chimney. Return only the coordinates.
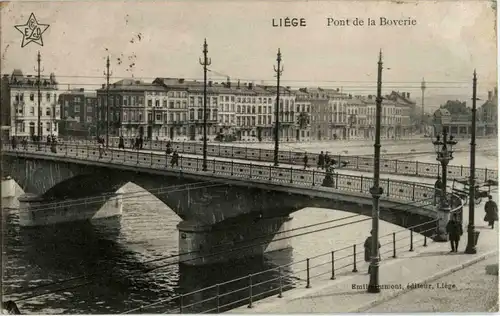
(407, 95)
(181, 80)
(288, 87)
(82, 89)
(103, 85)
(238, 84)
(369, 97)
(250, 85)
(350, 96)
(228, 82)
(210, 83)
(338, 89)
(490, 97)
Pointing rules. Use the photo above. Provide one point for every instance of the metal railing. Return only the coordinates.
(355, 163)
(393, 189)
(248, 289)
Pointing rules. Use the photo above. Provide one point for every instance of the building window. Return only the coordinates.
(77, 108)
(48, 97)
(150, 102)
(32, 97)
(47, 112)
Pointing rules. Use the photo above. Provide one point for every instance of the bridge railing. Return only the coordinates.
(392, 189)
(249, 289)
(357, 163)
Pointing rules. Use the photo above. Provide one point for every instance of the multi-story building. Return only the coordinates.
(488, 114)
(24, 100)
(302, 116)
(407, 113)
(356, 118)
(78, 112)
(5, 106)
(124, 109)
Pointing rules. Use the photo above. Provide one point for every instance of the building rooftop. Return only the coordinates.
(18, 79)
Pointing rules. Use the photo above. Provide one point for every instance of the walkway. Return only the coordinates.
(474, 291)
(357, 163)
(287, 179)
(423, 266)
(343, 171)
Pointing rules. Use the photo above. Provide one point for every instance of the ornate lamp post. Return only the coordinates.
(471, 243)
(444, 151)
(376, 191)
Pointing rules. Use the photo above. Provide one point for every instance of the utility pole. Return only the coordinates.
(376, 191)
(422, 86)
(39, 96)
(206, 62)
(278, 70)
(107, 101)
(471, 245)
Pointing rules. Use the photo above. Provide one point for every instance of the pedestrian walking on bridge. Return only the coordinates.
(438, 188)
(491, 209)
(175, 159)
(121, 143)
(454, 230)
(305, 161)
(321, 161)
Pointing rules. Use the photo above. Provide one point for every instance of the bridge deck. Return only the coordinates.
(290, 179)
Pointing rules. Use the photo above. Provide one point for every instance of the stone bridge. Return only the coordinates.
(231, 202)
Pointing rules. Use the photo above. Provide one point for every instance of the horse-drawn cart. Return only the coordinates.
(461, 188)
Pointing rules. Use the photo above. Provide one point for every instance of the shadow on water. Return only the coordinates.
(236, 293)
(91, 254)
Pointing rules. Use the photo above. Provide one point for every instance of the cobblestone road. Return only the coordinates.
(465, 291)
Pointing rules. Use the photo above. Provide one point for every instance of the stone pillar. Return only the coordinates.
(8, 188)
(207, 244)
(443, 218)
(10, 193)
(37, 211)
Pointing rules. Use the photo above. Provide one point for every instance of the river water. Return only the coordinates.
(121, 258)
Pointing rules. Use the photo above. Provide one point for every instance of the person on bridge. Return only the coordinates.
(121, 143)
(491, 209)
(368, 249)
(175, 159)
(438, 187)
(454, 230)
(321, 161)
(327, 160)
(305, 161)
(101, 150)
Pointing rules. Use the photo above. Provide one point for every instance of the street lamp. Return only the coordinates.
(444, 151)
(376, 191)
(471, 243)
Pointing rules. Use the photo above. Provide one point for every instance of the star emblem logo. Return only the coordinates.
(32, 31)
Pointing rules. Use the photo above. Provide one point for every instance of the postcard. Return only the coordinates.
(249, 156)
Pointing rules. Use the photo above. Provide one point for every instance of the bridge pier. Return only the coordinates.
(9, 192)
(207, 244)
(36, 211)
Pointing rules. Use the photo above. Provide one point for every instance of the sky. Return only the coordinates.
(449, 40)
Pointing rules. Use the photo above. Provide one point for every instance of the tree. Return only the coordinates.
(456, 107)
